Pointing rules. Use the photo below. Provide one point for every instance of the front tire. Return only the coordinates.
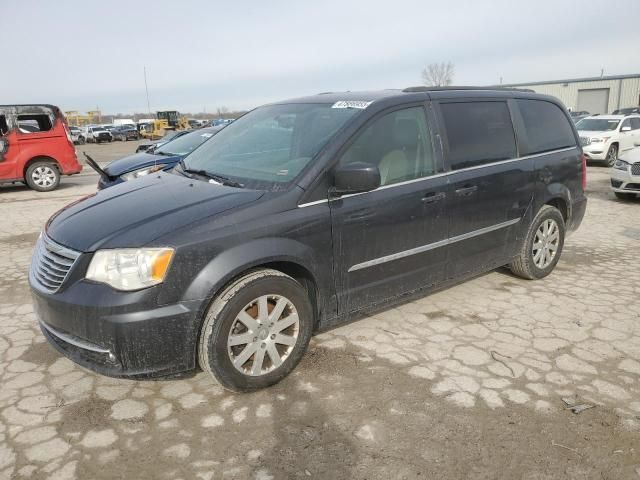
(256, 331)
(612, 155)
(542, 247)
(42, 176)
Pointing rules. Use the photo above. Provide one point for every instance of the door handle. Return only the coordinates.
(432, 197)
(466, 190)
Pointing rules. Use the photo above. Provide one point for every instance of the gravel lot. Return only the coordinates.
(464, 383)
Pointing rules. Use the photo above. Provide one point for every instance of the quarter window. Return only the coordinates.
(398, 143)
(34, 123)
(546, 125)
(478, 133)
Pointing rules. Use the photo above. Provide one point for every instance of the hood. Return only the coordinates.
(596, 133)
(133, 214)
(631, 156)
(138, 160)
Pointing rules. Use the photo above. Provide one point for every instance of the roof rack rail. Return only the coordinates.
(440, 89)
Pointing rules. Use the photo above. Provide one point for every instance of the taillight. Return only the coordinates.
(584, 172)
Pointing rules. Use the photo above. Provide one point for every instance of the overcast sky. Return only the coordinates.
(241, 53)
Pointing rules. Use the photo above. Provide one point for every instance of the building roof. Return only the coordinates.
(573, 80)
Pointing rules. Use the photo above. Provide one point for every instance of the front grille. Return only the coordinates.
(635, 169)
(51, 263)
(585, 141)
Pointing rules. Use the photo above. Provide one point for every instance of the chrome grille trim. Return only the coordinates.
(635, 169)
(51, 263)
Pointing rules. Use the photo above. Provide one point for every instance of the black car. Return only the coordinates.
(170, 135)
(125, 132)
(299, 215)
(164, 157)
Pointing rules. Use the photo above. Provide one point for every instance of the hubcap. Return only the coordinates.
(263, 335)
(545, 244)
(44, 176)
(613, 155)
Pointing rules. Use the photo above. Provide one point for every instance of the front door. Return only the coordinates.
(490, 190)
(389, 241)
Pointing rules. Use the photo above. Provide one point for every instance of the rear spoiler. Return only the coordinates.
(93, 164)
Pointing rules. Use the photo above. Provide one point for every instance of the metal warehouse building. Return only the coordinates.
(595, 95)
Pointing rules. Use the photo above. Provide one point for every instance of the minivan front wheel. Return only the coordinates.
(42, 176)
(541, 249)
(256, 331)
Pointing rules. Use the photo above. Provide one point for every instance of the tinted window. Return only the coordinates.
(478, 133)
(186, 143)
(626, 123)
(34, 123)
(399, 143)
(635, 123)
(546, 126)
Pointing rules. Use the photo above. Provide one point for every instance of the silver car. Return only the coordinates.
(625, 175)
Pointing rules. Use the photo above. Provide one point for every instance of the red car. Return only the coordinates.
(35, 146)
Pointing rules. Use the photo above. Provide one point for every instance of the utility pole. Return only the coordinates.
(147, 89)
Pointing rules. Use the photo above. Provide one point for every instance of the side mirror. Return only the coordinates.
(355, 177)
(625, 129)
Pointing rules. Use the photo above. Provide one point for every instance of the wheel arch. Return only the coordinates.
(557, 195)
(298, 262)
(40, 158)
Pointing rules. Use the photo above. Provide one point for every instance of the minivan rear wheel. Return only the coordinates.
(42, 176)
(541, 249)
(256, 331)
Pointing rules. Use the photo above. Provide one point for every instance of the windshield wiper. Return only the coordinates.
(212, 176)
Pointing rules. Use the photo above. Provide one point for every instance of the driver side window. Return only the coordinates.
(398, 143)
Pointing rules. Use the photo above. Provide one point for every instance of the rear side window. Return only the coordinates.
(34, 123)
(635, 124)
(4, 128)
(478, 133)
(546, 125)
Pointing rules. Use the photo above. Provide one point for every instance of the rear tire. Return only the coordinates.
(249, 356)
(542, 247)
(42, 176)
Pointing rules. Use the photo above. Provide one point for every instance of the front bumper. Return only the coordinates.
(624, 182)
(116, 333)
(596, 151)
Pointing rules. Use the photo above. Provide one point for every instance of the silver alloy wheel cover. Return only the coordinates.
(43, 176)
(257, 344)
(612, 154)
(545, 243)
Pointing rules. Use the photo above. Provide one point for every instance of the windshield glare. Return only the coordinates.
(597, 124)
(186, 143)
(268, 147)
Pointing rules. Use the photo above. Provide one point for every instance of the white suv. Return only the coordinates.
(604, 137)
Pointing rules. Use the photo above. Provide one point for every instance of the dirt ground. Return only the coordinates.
(467, 383)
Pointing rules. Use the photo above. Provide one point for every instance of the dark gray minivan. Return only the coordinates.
(298, 215)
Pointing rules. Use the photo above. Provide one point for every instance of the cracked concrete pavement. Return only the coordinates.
(464, 383)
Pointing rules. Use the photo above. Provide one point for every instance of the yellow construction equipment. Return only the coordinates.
(167, 120)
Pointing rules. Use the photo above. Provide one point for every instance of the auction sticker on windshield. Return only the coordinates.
(351, 104)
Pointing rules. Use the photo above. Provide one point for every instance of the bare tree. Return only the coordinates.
(438, 74)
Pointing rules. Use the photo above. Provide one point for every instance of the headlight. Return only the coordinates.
(600, 140)
(130, 268)
(141, 172)
(621, 165)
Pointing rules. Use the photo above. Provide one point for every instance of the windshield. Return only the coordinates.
(269, 147)
(186, 143)
(597, 124)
